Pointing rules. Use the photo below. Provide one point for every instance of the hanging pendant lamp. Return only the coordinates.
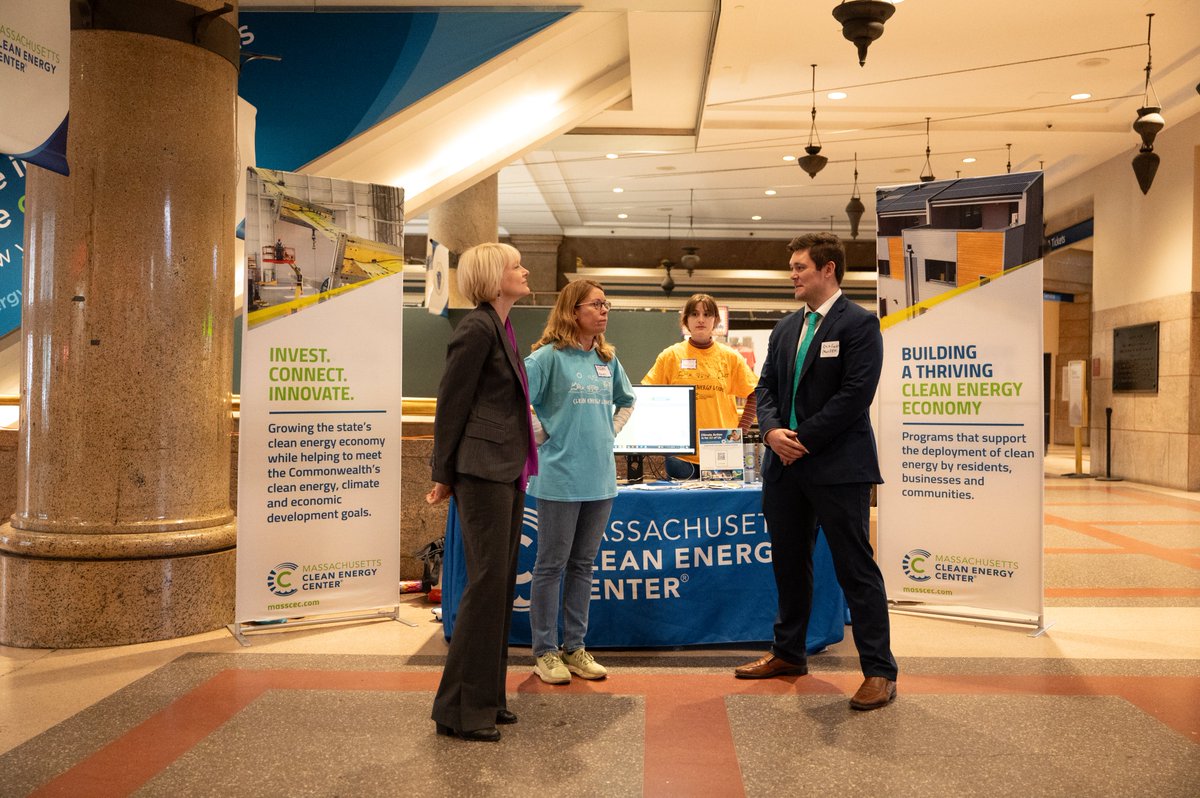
(814, 161)
(668, 283)
(691, 256)
(862, 22)
(926, 178)
(1149, 121)
(855, 208)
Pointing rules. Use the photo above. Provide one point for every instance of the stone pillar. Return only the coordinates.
(123, 530)
(539, 254)
(468, 218)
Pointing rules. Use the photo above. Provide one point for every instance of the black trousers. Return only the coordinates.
(472, 686)
(793, 508)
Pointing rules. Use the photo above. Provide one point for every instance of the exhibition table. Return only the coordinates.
(677, 567)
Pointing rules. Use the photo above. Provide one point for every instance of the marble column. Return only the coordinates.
(468, 218)
(539, 254)
(123, 530)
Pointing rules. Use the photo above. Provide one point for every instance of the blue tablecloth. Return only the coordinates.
(677, 567)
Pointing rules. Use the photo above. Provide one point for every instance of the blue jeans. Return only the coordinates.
(569, 535)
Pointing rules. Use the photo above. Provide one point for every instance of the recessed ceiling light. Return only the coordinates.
(789, 157)
(1095, 61)
(622, 216)
(968, 159)
(612, 156)
(618, 190)
(770, 192)
(903, 170)
(836, 95)
(756, 218)
(665, 168)
(1083, 95)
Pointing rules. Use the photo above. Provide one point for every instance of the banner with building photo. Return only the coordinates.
(960, 397)
(319, 459)
(35, 79)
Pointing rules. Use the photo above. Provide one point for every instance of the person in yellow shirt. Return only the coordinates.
(720, 375)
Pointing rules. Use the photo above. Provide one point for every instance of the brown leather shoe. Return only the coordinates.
(768, 666)
(876, 692)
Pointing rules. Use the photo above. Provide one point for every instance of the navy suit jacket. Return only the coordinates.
(838, 380)
(482, 423)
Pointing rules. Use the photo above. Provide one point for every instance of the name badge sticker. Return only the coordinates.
(831, 348)
(602, 370)
(688, 363)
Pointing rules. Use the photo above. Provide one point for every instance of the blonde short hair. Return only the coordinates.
(481, 268)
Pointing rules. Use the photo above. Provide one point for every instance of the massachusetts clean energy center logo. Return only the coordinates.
(279, 579)
(914, 565)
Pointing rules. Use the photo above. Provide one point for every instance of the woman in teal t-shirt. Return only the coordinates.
(575, 385)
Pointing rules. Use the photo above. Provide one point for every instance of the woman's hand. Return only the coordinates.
(439, 493)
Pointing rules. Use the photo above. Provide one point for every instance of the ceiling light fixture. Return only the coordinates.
(968, 159)
(668, 283)
(618, 190)
(770, 192)
(691, 256)
(836, 95)
(756, 218)
(862, 22)
(1149, 121)
(612, 156)
(1008, 165)
(622, 216)
(926, 178)
(1083, 95)
(789, 157)
(814, 161)
(855, 208)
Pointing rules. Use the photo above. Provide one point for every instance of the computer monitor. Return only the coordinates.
(663, 423)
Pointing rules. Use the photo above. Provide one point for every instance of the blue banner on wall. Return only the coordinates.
(12, 229)
(342, 73)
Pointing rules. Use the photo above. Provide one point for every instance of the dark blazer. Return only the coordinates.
(482, 423)
(835, 394)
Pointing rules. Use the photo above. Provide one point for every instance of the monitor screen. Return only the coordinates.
(663, 421)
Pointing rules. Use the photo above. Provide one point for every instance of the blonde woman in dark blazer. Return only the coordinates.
(483, 454)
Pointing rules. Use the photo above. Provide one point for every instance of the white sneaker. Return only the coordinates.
(583, 665)
(550, 669)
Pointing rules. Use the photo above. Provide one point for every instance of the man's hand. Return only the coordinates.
(438, 493)
(786, 445)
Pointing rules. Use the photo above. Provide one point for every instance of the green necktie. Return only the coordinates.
(810, 327)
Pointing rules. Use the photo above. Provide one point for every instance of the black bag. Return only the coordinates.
(431, 556)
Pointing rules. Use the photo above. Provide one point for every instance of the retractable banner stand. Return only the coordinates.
(35, 77)
(319, 462)
(960, 444)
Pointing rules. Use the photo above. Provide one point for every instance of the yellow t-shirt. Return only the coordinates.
(720, 375)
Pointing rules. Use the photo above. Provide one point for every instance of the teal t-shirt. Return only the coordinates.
(575, 394)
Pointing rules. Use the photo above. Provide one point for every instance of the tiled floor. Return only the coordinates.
(1105, 703)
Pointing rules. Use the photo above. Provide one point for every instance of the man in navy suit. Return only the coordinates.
(817, 383)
